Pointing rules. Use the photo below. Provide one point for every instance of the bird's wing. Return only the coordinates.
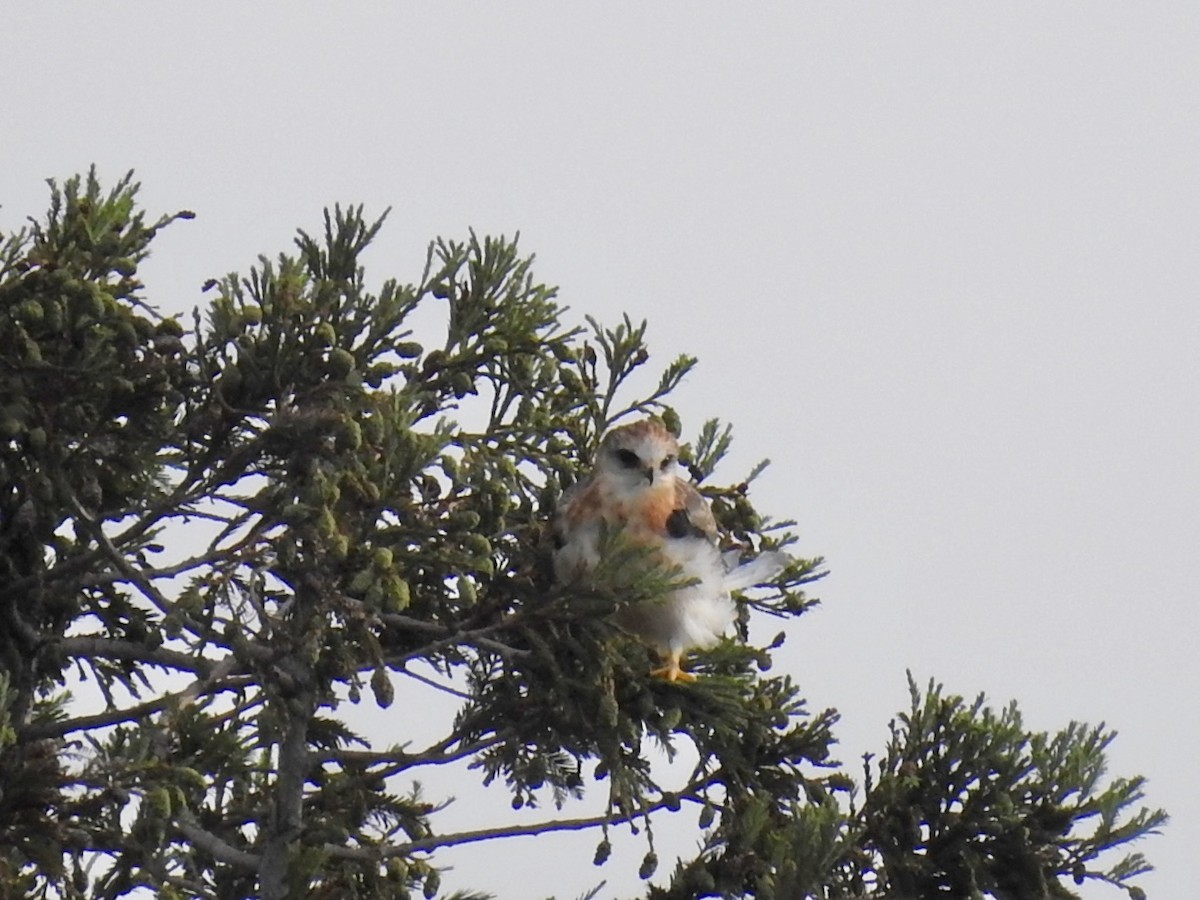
(566, 517)
(692, 516)
(577, 531)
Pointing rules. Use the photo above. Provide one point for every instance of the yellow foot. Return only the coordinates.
(672, 671)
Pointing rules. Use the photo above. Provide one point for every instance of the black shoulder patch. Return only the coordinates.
(680, 526)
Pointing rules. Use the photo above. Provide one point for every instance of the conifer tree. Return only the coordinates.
(229, 523)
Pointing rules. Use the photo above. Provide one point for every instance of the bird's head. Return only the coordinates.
(638, 457)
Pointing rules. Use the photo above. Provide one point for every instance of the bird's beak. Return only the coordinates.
(649, 471)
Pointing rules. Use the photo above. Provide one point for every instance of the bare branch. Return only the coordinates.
(486, 834)
(43, 730)
(437, 685)
(116, 557)
(108, 648)
(220, 849)
(478, 637)
(399, 760)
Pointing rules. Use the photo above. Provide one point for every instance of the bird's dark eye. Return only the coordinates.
(667, 463)
(628, 459)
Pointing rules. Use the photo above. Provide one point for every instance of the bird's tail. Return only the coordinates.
(756, 571)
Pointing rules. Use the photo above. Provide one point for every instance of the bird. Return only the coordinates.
(636, 487)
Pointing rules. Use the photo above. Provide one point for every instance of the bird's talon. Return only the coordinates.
(673, 672)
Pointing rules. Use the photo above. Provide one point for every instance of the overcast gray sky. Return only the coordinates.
(939, 262)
